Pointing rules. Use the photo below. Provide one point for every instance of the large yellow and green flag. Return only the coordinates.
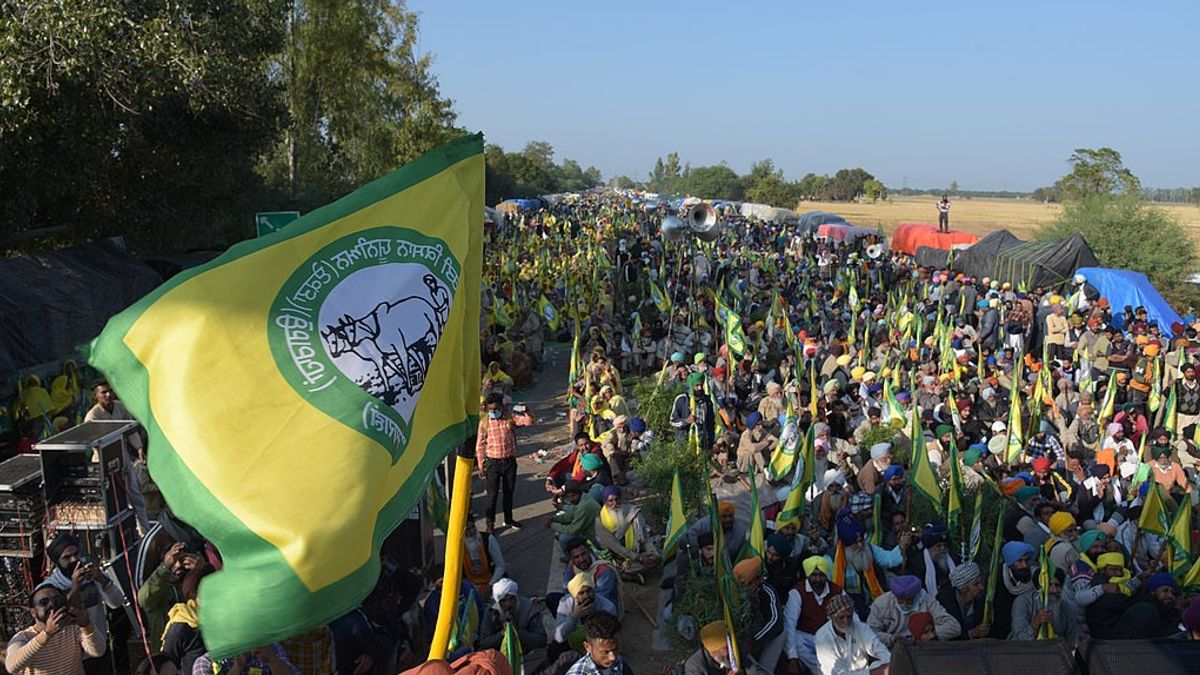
(923, 477)
(299, 390)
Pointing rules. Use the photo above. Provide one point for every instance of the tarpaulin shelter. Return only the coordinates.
(844, 232)
(1025, 264)
(50, 303)
(810, 220)
(934, 258)
(908, 236)
(1122, 287)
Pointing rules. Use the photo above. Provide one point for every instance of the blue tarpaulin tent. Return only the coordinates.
(1123, 287)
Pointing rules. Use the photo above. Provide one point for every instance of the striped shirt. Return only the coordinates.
(496, 440)
(31, 652)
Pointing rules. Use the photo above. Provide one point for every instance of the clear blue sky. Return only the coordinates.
(994, 95)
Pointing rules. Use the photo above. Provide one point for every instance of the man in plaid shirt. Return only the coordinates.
(496, 457)
(312, 652)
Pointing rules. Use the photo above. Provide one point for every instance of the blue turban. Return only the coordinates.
(753, 420)
(637, 425)
(848, 528)
(1025, 476)
(893, 471)
(781, 543)
(1159, 580)
(1014, 551)
(610, 491)
(934, 534)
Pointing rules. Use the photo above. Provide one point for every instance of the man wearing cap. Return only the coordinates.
(734, 532)
(714, 657)
(754, 446)
(508, 606)
(1016, 579)
(846, 645)
(766, 625)
(804, 613)
(871, 475)
(890, 611)
(964, 600)
(934, 565)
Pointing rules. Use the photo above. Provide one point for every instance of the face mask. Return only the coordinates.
(494, 414)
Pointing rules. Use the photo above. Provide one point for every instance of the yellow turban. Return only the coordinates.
(725, 508)
(815, 562)
(843, 360)
(579, 582)
(713, 636)
(1111, 558)
(747, 570)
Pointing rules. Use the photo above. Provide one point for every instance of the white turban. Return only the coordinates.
(503, 588)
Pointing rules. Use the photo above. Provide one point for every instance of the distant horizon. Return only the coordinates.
(995, 97)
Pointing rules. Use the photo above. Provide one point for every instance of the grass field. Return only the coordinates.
(979, 216)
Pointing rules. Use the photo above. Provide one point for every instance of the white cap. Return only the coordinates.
(998, 427)
(1079, 279)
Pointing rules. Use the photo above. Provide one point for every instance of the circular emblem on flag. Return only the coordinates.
(548, 313)
(355, 328)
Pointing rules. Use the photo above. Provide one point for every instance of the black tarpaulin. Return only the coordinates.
(1026, 265)
(979, 259)
(935, 258)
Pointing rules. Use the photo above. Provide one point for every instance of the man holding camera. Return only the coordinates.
(58, 641)
(84, 585)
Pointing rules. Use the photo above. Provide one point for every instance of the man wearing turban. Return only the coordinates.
(1016, 579)
(846, 645)
(934, 564)
(906, 596)
(734, 532)
(766, 625)
(508, 605)
(804, 613)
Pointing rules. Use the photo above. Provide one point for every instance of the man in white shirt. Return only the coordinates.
(107, 408)
(847, 646)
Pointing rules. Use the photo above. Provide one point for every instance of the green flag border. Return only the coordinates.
(266, 580)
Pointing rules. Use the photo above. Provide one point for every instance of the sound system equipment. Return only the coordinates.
(984, 657)
(1144, 657)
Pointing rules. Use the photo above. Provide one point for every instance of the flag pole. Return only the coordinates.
(460, 500)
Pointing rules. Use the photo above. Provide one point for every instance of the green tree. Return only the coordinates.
(1126, 233)
(1097, 172)
(623, 183)
(953, 188)
(874, 190)
(141, 119)
(361, 99)
(813, 186)
(713, 182)
(847, 185)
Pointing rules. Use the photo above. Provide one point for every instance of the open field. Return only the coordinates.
(980, 216)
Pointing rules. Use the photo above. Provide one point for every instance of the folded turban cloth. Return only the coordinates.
(1111, 558)
(881, 450)
(677, 357)
(748, 570)
(905, 587)
(860, 501)
(919, 622)
(838, 603)
(610, 491)
(705, 539)
(694, 379)
(971, 457)
(934, 534)
(893, 471)
(1087, 539)
(1060, 522)
(1108, 529)
(1098, 470)
(503, 588)
(1157, 451)
(1112, 429)
(725, 508)
(699, 358)
(942, 430)
(1159, 580)
(903, 396)
(579, 582)
(60, 543)
(591, 462)
(964, 575)
(963, 404)
(848, 528)
(637, 425)
(834, 476)
(713, 636)
(753, 420)
(1014, 551)
(781, 543)
(813, 563)
(572, 486)
(1025, 476)
(1027, 492)
(1041, 464)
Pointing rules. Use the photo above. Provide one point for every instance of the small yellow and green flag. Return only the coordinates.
(923, 477)
(676, 521)
(300, 389)
(1181, 536)
(1155, 518)
(510, 647)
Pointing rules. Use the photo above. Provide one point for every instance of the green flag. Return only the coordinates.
(757, 525)
(676, 521)
(954, 505)
(1181, 535)
(1155, 518)
(511, 648)
(923, 477)
(1016, 439)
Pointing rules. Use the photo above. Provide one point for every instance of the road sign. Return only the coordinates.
(270, 221)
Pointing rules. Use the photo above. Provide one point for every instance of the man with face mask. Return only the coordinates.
(905, 597)
(1016, 576)
(510, 606)
(846, 645)
(496, 459)
(60, 638)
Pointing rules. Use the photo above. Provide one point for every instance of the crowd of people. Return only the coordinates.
(935, 457)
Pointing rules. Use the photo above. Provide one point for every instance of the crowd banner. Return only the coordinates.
(300, 389)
